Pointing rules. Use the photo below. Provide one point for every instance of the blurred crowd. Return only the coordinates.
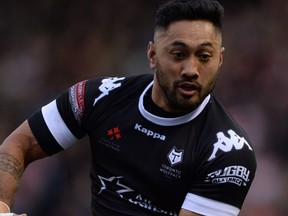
(47, 46)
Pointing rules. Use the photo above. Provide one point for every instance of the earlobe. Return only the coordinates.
(151, 54)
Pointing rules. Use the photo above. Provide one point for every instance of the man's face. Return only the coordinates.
(186, 60)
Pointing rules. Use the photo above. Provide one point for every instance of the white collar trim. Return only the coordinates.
(169, 121)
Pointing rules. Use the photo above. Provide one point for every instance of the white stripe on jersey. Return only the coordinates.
(57, 126)
(208, 207)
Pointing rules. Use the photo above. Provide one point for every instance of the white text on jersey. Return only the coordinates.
(148, 132)
(238, 175)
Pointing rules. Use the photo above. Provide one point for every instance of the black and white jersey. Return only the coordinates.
(145, 161)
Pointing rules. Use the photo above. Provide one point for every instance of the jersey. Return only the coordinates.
(145, 162)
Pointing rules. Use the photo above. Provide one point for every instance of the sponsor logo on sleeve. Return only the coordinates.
(238, 175)
(108, 84)
(226, 144)
(76, 99)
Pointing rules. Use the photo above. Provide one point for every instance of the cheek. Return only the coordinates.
(209, 74)
(171, 69)
(168, 67)
(212, 69)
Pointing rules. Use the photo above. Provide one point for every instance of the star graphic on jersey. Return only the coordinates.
(114, 181)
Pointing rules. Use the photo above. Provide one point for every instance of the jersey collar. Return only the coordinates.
(169, 121)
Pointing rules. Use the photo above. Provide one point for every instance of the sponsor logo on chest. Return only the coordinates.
(118, 185)
(174, 157)
(110, 140)
(149, 132)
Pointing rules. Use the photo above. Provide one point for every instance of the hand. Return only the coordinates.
(12, 214)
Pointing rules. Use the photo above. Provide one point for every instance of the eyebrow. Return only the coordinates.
(207, 43)
(183, 44)
(179, 43)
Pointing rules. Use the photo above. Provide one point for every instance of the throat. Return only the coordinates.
(153, 108)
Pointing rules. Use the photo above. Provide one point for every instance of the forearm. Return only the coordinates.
(16, 152)
(11, 171)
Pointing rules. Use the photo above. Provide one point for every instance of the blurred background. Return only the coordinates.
(46, 46)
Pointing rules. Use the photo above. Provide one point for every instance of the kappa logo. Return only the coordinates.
(148, 132)
(175, 156)
(108, 85)
(226, 144)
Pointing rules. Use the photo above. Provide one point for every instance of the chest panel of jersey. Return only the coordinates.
(141, 153)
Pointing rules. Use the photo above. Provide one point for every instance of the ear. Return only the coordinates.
(151, 55)
(221, 56)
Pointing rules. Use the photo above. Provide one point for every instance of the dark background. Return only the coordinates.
(48, 45)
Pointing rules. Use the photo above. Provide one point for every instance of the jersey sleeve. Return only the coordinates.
(57, 125)
(62, 122)
(226, 169)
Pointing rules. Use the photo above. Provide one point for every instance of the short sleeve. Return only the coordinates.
(224, 175)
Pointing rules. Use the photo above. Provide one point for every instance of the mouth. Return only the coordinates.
(188, 89)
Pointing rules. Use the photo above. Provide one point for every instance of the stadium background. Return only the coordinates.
(46, 46)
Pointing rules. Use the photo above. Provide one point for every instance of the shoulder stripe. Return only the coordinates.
(209, 207)
(57, 126)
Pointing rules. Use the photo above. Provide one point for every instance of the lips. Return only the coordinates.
(188, 88)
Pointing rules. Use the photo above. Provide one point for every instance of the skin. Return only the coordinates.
(17, 151)
(186, 59)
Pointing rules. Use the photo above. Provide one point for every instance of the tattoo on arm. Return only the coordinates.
(11, 165)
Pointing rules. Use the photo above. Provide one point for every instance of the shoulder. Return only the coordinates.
(221, 119)
(108, 83)
(94, 90)
(223, 140)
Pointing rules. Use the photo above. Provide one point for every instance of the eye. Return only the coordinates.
(205, 57)
(178, 55)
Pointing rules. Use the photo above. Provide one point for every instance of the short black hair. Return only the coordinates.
(177, 10)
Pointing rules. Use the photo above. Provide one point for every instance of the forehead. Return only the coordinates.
(189, 32)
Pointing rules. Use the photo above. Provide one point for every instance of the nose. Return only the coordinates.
(190, 69)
